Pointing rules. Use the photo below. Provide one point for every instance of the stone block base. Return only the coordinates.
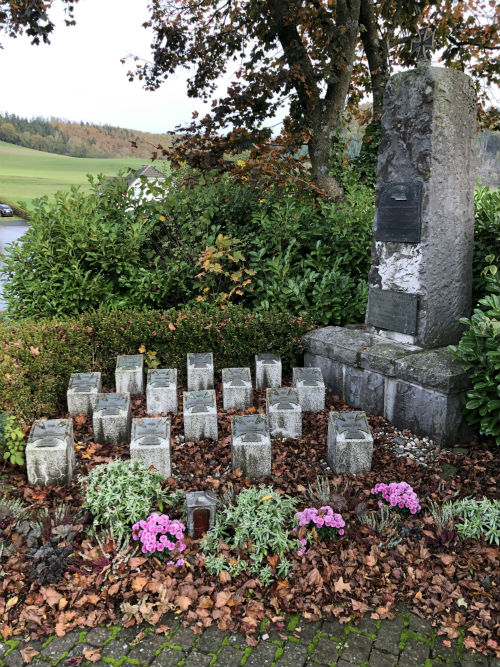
(419, 389)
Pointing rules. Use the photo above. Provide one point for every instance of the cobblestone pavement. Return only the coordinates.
(405, 641)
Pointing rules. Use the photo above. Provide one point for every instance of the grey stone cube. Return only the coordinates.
(50, 452)
(284, 413)
(350, 443)
(237, 388)
(310, 387)
(200, 371)
(129, 374)
(111, 418)
(150, 442)
(161, 390)
(82, 393)
(267, 370)
(200, 415)
(251, 445)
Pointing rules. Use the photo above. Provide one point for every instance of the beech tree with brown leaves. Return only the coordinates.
(315, 56)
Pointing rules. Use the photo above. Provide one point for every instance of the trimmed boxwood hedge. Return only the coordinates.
(39, 356)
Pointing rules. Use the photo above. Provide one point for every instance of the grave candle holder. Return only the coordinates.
(200, 512)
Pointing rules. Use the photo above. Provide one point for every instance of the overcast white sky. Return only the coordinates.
(79, 77)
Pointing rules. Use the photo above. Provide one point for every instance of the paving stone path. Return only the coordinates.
(405, 641)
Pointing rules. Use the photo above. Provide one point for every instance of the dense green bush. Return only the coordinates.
(486, 237)
(38, 357)
(11, 440)
(479, 350)
(106, 248)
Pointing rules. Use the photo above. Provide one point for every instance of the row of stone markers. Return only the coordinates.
(50, 452)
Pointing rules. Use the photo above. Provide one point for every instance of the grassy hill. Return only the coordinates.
(26, 174)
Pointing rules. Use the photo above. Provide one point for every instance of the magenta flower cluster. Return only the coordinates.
(324, 518)
(399, 495)
(160, 533)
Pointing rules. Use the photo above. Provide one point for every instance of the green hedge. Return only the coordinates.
(39, 356)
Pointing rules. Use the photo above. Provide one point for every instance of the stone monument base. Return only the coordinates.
(423, 390)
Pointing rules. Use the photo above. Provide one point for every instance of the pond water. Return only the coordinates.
(10, 230)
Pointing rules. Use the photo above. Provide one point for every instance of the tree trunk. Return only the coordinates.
(320, 147)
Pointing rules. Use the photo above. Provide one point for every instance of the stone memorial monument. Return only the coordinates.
(349, 443)
(267, 370)
(161, 390)
(129, 374)
(284, 413)
(251, 445)
(111, 418)
(50, 452)
(200, 371)
(236, 388)
(397, 364)
(200, 415)
(150, 442)
(310, 387)
(82, 393)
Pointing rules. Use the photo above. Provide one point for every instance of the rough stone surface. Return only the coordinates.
(325, 652)
(150, 443)
(251, 445)
(161, 391)
(414, 654)
(293, 656)
(429, 136)
(357, 649)
(310, 387)
(284, 413)
(423, 390)
(82, 393)
(111, 418)
(50, 452)
(236, 388)
(349, 443)
(435, 369)
(200, 371)
(229, 657)
(200, 415)
(262, 655)
(198, 660)
(425, 411)
(167, 658)
(267, 370)
(342, 344)
(129, 374)
(364, 390)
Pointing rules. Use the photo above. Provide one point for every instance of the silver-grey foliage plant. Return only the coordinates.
(120, 493)
(481, 519)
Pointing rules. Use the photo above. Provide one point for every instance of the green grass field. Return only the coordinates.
(26, 174)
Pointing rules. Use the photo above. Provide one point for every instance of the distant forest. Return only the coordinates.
(78, 139)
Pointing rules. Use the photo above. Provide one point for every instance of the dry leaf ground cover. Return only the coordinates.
(451, 582)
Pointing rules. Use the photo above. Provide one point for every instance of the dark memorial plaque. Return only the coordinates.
(399, 212)
(395, 311)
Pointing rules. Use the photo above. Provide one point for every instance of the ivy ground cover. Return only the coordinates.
(365, 567)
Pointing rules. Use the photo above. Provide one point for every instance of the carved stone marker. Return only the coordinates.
(310, 387)
(200, 415)
(393, 310)
(111, 418)
(200, 371)
(50, 452)
(251, 445)
(237, 388)
(161, 390)
(350, 443)
(82, 393)
(150, 442)
(267, 370)
(200, 512)
(129, 374)
(284, 413)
